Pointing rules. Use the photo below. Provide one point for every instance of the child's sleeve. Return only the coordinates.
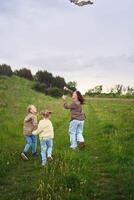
(38, 130)
(51, 129)
(35, 123)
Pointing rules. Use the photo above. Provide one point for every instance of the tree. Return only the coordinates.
(118, 89)
(72, 85)
(98, 89)
(25, 73)
(130, 91)
(90, 92)
(58, 82)
(55, 92)
(5, 70)
(44, 77)
(112, 92)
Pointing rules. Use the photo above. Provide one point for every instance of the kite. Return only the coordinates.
(81, 2)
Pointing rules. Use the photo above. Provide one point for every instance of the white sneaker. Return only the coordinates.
(24, 157)
(50, 158)
(44, 162)
(73, 148)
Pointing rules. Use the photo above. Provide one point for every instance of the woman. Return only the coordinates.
(77, 119)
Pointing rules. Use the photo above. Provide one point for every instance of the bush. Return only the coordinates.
(5, 70)
(40, 87)
(55, 92)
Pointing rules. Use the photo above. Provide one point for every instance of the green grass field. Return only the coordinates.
(104, 170)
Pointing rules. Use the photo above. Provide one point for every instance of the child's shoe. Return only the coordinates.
(35, 154)
(50, 158)
(23, 156)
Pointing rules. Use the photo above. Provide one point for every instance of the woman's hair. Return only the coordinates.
(80, 97)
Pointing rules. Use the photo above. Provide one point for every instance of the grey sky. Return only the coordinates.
(90, 45)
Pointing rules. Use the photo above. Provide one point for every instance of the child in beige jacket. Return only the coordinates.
(30, 124)
(46, 135)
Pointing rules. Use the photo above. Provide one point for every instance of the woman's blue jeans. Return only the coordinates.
(76, 132)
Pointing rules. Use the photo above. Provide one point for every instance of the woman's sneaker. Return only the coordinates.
(81, 145)
(73, 148)
(23, 156)
(44, 162)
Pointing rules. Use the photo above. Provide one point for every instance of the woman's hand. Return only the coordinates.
(65, 88)
(64, 97)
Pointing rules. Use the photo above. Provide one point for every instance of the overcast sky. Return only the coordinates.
(90, 45)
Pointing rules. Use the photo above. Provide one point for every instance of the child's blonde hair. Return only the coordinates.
(30, 107)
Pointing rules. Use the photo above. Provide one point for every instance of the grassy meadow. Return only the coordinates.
(104, 170)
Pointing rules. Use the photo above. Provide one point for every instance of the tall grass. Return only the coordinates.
(103, 170)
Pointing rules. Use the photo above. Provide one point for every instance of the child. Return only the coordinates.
(46, 135)
(30, 124)
(77, 119)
